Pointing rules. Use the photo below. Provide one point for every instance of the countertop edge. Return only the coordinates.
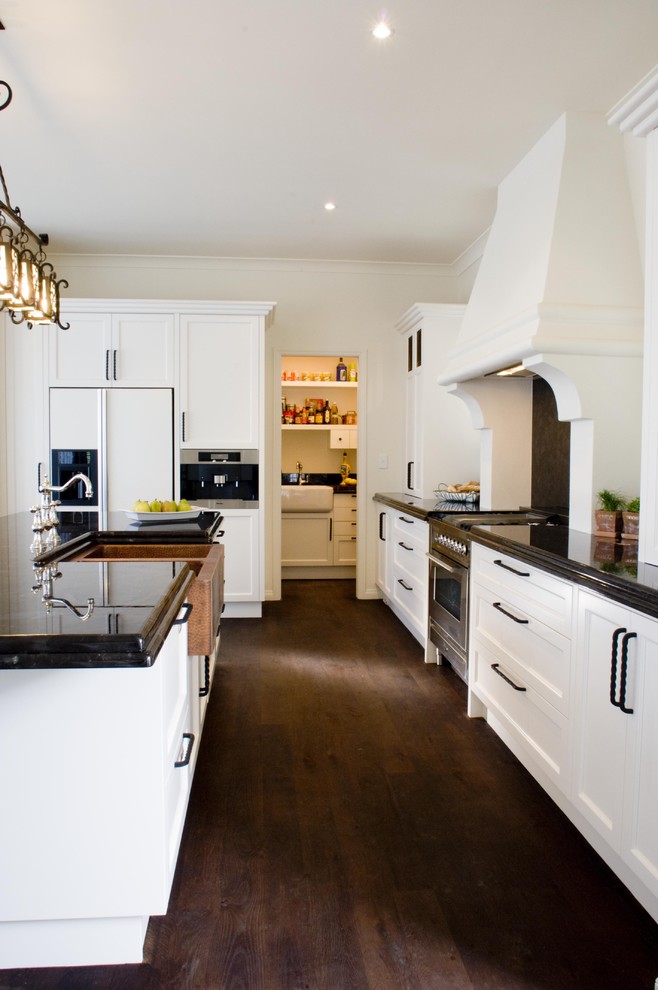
(640, 597)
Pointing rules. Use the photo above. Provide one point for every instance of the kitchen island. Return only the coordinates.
(99, 724)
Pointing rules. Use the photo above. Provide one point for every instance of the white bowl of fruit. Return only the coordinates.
(162, 510)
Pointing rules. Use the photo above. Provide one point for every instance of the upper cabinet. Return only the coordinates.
(441, 445)
(221, 371)
(121, 350)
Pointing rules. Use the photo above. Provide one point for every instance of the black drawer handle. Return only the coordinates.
(409, 522)
(189, 736)
(496, 669)
(521, 622)
(499, 563)
(187, 606)
(381, 526)
(407, 587)
(204, 689)
(403, 545)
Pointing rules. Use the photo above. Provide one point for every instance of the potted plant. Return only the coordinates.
(608, 517)
(631, 517)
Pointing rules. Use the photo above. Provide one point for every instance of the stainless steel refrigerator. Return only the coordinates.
(127, 434)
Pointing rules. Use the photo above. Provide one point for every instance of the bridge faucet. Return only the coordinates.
(299, 466)
(45, 487)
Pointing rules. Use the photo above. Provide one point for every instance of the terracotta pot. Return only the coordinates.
(631, 529)
(608, 523)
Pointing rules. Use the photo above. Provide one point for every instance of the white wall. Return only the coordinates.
(334, 307)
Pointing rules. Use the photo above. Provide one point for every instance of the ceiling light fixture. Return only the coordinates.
(29, 288)
(330, 206)
(382, 31)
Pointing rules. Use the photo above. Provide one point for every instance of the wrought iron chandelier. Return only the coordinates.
(29, 288)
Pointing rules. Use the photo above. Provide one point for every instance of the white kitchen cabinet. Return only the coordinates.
(403, 569)
(120, 350)
(306, 539)
(441, 445)
(106, 754)
(384, 555)
(520, 657)
(616, 731)
(343, 438)
(344, 528)
(221, 381)
(243, 576)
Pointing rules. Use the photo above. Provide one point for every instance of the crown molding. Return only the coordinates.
(637, 112)
(319, 266)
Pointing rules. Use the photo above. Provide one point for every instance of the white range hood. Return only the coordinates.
(559, 290)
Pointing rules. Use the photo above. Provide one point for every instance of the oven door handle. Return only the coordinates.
(458, 569)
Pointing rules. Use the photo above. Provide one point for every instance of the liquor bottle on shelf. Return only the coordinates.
(341, 371)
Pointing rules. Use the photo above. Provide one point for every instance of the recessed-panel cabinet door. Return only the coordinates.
(600, 728)
(142, 353)
(220, 382)
(640, 841)
(80, 355)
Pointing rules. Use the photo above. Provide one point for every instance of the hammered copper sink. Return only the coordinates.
(206, 594)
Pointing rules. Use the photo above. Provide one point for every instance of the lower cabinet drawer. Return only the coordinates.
(411, 559)
(542, 655)
(537, 727)
(410, 594)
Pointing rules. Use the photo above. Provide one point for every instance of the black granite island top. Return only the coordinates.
(607, 567)
(76, 525)
(135, 602)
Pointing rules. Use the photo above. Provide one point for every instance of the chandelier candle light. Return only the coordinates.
(29, 288)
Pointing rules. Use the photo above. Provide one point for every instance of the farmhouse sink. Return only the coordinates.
(307, 498)
(206, 594)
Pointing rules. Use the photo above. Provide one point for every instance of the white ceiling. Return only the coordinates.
(221, 127)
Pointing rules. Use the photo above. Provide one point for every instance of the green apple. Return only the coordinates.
(155, 505)
(141, 506)
(184, 505)
(168, 506)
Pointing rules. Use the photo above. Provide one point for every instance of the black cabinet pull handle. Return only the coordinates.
(220, 532)
(107, 366)
(521, 622)
(381, 527)
(507, 567)
(496, 669)
(624, 673)
(410, 467)
(114, 365)
(331, 528)
(205, 689)
(613, 665)
(189, 736)
(403, 519)
(187, 606)
(400, 543)
(183, 437)
(407, 587)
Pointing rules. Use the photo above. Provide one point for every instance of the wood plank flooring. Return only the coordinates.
(351, 829)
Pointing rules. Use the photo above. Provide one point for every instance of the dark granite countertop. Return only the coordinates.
(607, 567)
(418, 507)
(135, 602)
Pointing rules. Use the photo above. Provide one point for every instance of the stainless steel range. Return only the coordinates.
(449, 562)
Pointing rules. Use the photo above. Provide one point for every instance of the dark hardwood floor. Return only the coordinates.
(351, 829)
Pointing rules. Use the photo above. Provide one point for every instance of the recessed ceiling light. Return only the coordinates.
(381, 31)
(330, 206)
